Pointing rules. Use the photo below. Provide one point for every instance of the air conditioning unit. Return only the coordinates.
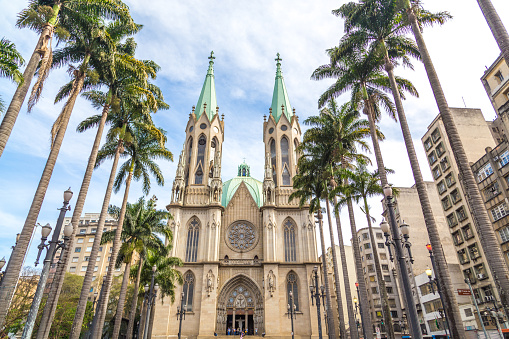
(481, 276)
(479, 301)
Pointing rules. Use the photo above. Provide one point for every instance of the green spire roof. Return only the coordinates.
(280, 95)
(207, 100)
(254, 186)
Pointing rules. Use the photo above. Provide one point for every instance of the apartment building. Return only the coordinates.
(496, 84)
(80, 251)
(476, 134)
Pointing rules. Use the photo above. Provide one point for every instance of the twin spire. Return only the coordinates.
(207, 103)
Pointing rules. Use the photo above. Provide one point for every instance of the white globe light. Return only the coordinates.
(46, 230)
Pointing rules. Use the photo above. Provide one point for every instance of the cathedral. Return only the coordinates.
(245, 247)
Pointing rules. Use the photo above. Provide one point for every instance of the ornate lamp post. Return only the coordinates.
(181, 313)
(434, 281)
(292, 311)
(360, 310)
(316, 294)
(52, 248)
(402, 264)
(150, 299)
(355, 302)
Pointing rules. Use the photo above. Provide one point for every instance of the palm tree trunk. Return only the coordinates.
(354, 334)
(360, 274)
(56, 287)
(12, 272)
(134, 304)
(339, 299)
(152, 315)
(496, 26)
(451, 305)
(330, 322)
(87, 282)
(487, 235)
(389, 328)
(117, 241)
(21, 92)
(121, 301)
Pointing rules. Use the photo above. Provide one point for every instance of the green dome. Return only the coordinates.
(254, 186)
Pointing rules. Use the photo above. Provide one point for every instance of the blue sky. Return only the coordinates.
(245, 37)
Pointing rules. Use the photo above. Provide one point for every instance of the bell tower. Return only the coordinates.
(281, 135)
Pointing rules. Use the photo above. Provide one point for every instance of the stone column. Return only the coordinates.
(233, 321)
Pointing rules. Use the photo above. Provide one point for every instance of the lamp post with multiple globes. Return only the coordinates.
(315, 293)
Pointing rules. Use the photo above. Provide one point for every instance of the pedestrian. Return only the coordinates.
(229, 331)
(256, 330)
(241, 334)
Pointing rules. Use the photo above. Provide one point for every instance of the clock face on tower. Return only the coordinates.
(241, 236)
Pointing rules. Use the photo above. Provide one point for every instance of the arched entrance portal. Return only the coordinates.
(240, 306)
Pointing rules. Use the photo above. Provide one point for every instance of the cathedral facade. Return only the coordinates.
(245, 247)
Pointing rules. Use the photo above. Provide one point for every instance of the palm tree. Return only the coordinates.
(496, 26)
(342, 131)
(487, 236)
(119, 73)
(310, 186)
(141, 153)
(142, 226)
(132, 112)
(86, 37)
(10, 61)
(48, 17)
(374, 25)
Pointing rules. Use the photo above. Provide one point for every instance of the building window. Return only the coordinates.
(463, 256)
(504, 158)
(394, 314)
(372, 278)
(440, 149)
(467, 232)
(504, 234)
(451, 220)
(193, 235)
(444, 163)
(365, 236)
(89, 249)
(425, 289)
(455, 196)
(468, 312)
(436, 172)
(83, 268)
(94, 230)
(292, 286)
(371, 268)
(200, 160)
(83, 231)
(491, 191)
(441, 187)
(428, 144)
(484, 172)
(381, 245)
(432, 158)
(383, 256)
(290, 246)
(77, 250)
(188, 290)
(80, 240)
(374, 290)
(367, 245)
(435, 135)
(460, 212)
(91, 239)
(499, 77)
(96, 268)
(499, 211)
(387, 278)
(369, 256)
(457, 238)
(389, 289)
(377, 304)
(474, 251)
(379, 236)
(285, 161)
(273, 160)
(449, 180)
(385, 267)
(480, 272)
(75, 259)
(446, 203)
(87, 258)
(72, 269)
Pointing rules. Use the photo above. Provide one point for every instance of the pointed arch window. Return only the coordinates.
(285, 161)
(193, 235)
(295, 157)
(188, 290)
(202, 144)
(290, 246)
(189, 155)
(273, 160)
(213, 149)
(292, 286)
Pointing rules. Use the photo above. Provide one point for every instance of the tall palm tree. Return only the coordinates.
(487, 236)
(86, 37)
(374, 25)
(121, 73)
(48, 17)
(141, 153)
(133, 113)
(496, 26)
(342, 131)
(364, 184)
(310, 186)
(143, 225)
(10, 61)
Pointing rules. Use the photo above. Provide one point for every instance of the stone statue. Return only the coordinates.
(271, 279)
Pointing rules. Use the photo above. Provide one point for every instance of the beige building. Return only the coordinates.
(476, 134)
(245, 247)
(496, 84)
(82, 246)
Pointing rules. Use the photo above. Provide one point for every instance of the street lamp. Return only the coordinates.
(357, 324)
(51, 249)
(360, 310)
(181, 313)
(292, 308)
(149, 300)
(435, 281)
(402, 264)
(316, 294)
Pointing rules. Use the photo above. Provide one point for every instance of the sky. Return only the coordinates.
(245, 37)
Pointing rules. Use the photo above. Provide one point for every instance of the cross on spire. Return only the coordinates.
(211, 57)
(278, 59)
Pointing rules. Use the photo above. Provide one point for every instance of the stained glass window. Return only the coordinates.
(193, 235)
(188, 289)
(290, 247)
(293, 287)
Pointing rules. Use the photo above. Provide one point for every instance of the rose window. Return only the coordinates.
(242, 236)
